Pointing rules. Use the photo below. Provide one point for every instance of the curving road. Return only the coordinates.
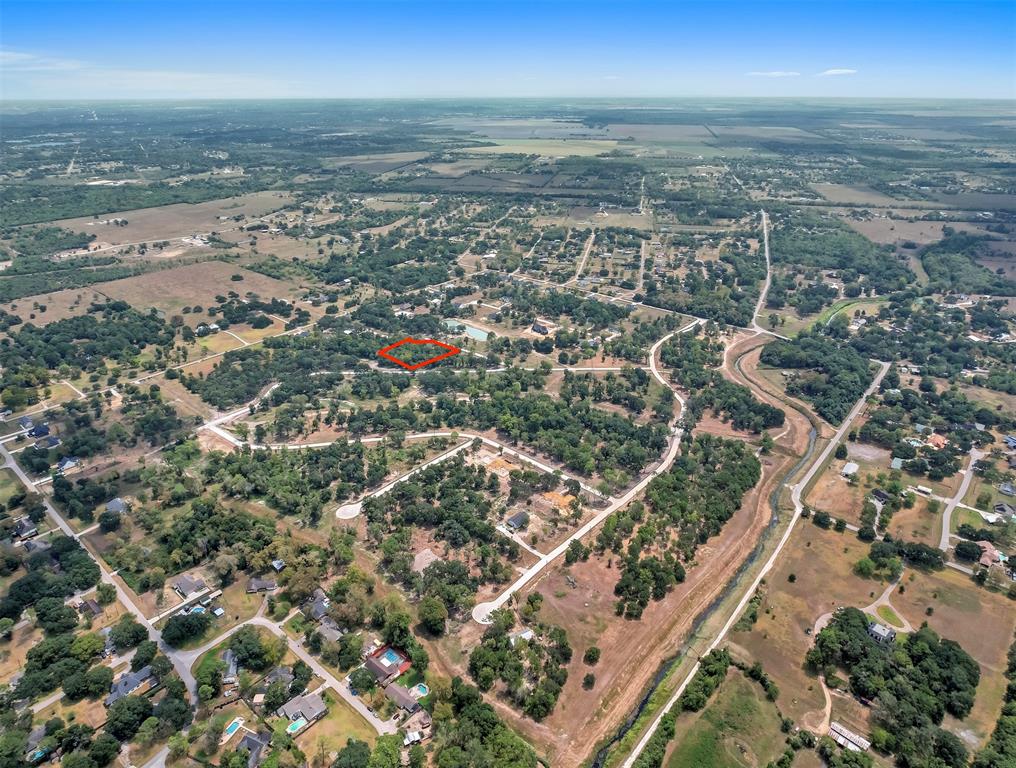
(796, 492)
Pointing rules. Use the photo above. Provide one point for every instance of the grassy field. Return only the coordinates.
(958, 605)
(177, 220)
(738, 729)
(171, 290)
(822, 565)
(9, 485)
(887, 614)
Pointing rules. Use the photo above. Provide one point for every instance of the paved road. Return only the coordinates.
(482, 611)
(769, 275)
(105, 576)
(796, 491)
(968, 476)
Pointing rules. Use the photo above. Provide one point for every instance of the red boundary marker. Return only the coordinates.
(409, 340)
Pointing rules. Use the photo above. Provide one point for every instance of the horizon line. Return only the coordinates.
(115, 99)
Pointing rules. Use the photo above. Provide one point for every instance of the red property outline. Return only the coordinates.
(410, 340)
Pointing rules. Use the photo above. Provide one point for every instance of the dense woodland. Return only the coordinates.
(693, 361)
(685, 507)
(530, 673)
(831, 376)
(911, 687)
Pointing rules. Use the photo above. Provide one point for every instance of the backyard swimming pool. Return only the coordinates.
(391, 658)
(473, 333)
(420, 690)
(232, 728)
(296, 725)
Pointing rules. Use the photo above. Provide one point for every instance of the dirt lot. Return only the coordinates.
(179, 220)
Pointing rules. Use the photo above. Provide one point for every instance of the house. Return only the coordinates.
(937, 442)
(540, 328)
(39, 430)
(279, 675)
(847, 738)
(129, 683)
(896, 463)
(849, 469)
(255, 744)
(5, 414)
(309, 706)
(1012, 462)
(881, 496)
(232, 666)
(49, 443)
(989, 555)
(880, 633)
(25, 422)
(39, 545)
(402, 698)
(187, 586)
(386, 664)
(278, 564)
(411, 738)
(117, 505)
(518, 521)
(317, 607)
(329, 629)
(257, 584)
(1007, 489)
(24, 528)
(424, 558)
(67, 462)
(1010, 441)
(90, 606)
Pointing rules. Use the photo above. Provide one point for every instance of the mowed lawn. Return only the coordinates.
(739, 728)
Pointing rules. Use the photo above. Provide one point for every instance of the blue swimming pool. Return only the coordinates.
(391, 657)
(296, 725)
(233, 727)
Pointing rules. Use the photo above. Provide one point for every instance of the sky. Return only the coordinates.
(180, 49)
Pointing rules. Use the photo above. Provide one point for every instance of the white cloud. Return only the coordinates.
(837, 72)
(776, 73)
(35, 76)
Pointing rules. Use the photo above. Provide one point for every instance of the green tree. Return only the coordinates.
(433, 615)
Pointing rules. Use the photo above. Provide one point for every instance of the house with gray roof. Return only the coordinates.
(309, 706)
(129, 683)
(186, 585)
